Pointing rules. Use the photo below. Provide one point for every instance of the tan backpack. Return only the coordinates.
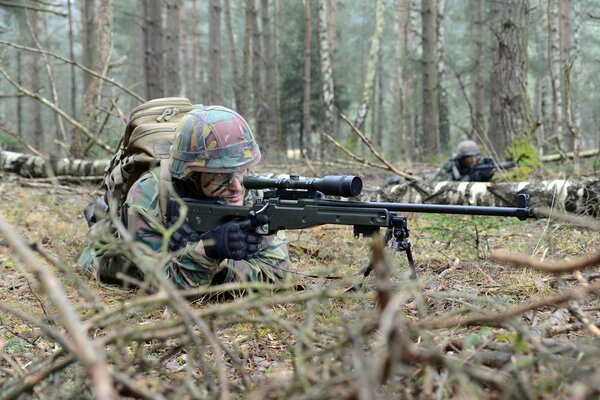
(146, 143)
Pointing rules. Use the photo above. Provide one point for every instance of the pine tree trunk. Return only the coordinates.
(247, 59)
(88, 32)
(509, 112)
(430, 110)
(306, 132)
(411, 151)
(153, 49)
(444, 121)
(72, 55)
(397, 134)
(565, 57)
(258, 83)
(478, 119)
(172, 70)
(214, 44)
(232, 57)
(269, 79)
(92, 94)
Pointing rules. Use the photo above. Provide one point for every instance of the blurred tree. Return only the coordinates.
(153, 49)
(214, 60)
(172, 69)
(430, 110)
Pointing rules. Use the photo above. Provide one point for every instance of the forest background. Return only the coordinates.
(416, 76)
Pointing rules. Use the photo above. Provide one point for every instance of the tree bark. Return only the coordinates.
(430, 110)
(326, 75)
(397, 134)
(33, 109)
(72, 55)
(443, 121)
(172, 74)
(214, 43)
(88, 32)
(369, 80)
(153, 49)
(555, 68)
(28, 165)
(477, 119)
(258, 82)
(509, 112)
(580, 196)
(306, 132)
(92, 94)
(247, 59)
(269, 79)
(233, 57)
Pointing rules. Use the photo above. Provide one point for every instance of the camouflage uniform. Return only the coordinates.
(210, 139)
(453, 170)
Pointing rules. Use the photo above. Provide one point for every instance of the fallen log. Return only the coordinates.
(37, 167)
(581, 196)
(570, 155)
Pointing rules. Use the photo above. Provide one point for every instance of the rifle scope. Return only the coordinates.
(331, 185)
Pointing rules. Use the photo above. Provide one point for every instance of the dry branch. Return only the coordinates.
(571, 265)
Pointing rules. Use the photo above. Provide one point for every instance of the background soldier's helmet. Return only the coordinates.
(467, 148)
(212, 139)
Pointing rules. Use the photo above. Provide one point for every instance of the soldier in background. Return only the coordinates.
(466, 164)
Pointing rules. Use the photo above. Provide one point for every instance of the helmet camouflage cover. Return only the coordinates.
(212, 139)
(467, 148)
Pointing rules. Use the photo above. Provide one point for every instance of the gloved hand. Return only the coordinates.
(182, 236)
(236, 240)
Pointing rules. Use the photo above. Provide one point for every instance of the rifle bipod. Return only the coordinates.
(398, 229)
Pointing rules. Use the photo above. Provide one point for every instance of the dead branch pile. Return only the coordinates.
(393, 338)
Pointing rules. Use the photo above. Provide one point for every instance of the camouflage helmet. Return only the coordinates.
(467, 148)
(212, 139)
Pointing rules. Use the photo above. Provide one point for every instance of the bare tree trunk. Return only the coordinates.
(247, 59)
(277, 112)
(91, 96)
(232, 57)
(72, 55)
(444, 122)
(477, 119)
(555, 68)
(88, 31)
(214, 43)
(509, 111)
(306, 132)
(326, 75)
(397, 132)
(33, 109)
(257, 80)
(195, 82)
(379, 117)
(575, 54)
(269, 78)
(410, 150)
(369, 81)
(153, 47)
(431, 145)
(565, 43)
(172, 76)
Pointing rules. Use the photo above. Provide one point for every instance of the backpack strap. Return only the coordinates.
(165, 188)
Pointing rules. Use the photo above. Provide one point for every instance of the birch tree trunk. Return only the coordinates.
(555, 67)
(430, 110)
(28, 165)
(153, 49)
(92, 95)
(214, 60)
(369, 80)
(306, 131)
(580, 196)
(172, 70)
(326, 75)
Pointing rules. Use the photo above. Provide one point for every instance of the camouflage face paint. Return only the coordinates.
(216, 185)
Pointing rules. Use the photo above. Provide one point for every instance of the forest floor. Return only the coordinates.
(323, 341)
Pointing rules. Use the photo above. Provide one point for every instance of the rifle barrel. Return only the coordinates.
(519, 212)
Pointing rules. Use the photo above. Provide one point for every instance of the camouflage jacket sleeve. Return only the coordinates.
(191, 267)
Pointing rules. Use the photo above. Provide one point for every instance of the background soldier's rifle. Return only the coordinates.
(294, 203)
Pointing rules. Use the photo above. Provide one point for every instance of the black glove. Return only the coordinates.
(182, 236)
(236, 240)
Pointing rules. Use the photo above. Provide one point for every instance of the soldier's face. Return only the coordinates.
(469, 161)
(226, 186)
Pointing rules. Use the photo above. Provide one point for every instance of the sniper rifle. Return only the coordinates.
(294, 203)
